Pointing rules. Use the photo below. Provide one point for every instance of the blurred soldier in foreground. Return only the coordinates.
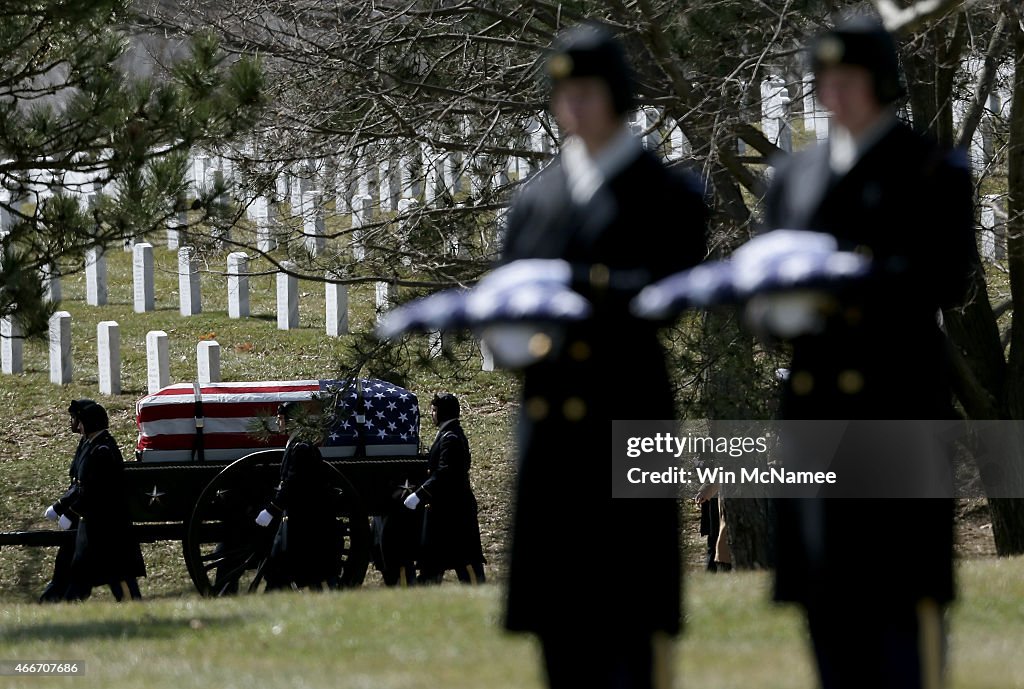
(874, 602)
(305, 548)
(105, 550)
(597, 579)
(451, 532)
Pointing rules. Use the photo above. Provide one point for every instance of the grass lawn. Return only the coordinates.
(372, 637)
(450, 636)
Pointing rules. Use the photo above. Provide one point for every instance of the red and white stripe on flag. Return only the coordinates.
(231, 411)
(374, 417)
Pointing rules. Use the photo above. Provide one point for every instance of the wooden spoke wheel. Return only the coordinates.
(226, 552)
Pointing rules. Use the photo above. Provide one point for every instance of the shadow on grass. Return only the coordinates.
(146, 627)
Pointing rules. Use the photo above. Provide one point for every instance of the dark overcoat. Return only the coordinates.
(580, 559)
(906, 203)
(306, 548)
(58, 584)
(451, 531)
(105, 550)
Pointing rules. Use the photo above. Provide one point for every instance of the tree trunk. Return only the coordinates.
(748, 517)
(1008, 514)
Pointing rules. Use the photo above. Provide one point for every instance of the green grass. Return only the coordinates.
(372, 637)
(450, 636)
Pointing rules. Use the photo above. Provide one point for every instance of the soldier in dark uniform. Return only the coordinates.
(451, 532)
(105, 550)
(597, 579)
(873, 602)
(58, 585)
(396, 539)
(305, 549)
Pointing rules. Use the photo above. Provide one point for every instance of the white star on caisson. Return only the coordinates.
(155, 495)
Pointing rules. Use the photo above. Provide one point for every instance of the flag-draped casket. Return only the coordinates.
(222, 421)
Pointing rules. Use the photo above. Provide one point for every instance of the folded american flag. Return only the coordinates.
(528, 290)
(373, 417)
(775, 262)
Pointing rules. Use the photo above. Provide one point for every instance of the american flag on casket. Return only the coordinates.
(374, 417)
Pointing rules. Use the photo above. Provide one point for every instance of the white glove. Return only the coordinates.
(526, 271)
(412, 501)
(64, 522)
(51, 514)
(264, 518)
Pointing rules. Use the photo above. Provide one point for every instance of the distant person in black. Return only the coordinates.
(597, 579)
(874, 599)
(305, 551)
(451, 532)
(105, 551)
(58, 585)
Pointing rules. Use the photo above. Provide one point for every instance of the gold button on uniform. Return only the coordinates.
(539, 345)
(579, 350)
(537, 408)
(574, 409)
(850, 381)
(600, 276)
(802, 382)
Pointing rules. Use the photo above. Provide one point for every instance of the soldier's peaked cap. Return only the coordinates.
(76, 406)
(93, 417)
(861, 42)
(592, 50)
(447, 406)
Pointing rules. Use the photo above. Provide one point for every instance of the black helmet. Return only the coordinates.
(93, 417)
(447, 406)
(76, 406)
(862, 42)
(591, 50)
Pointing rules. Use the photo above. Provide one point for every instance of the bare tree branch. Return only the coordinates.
(901, 20)
(984, 83)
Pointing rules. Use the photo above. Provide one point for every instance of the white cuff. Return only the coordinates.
(264, 518)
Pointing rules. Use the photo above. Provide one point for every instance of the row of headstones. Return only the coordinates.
(190, 288)
(383, 178)
(108, 355)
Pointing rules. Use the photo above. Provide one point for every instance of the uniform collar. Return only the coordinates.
(585, 173)
(845, 150)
